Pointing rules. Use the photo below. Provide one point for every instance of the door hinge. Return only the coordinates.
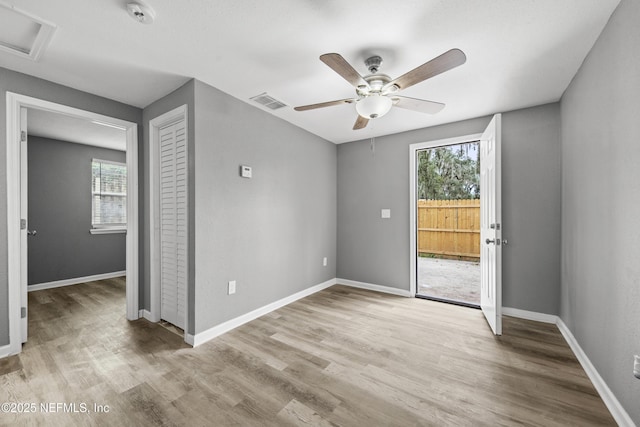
(23, 224)
(23, 312)
(23, 136)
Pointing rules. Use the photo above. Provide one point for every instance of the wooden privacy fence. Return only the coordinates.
(449, 228)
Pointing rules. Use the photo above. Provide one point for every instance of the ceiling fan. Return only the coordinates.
(377, 93)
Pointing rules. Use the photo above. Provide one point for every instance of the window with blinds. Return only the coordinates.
(108, 194)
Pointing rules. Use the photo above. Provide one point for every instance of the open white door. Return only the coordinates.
(23, 224)
(491, 225)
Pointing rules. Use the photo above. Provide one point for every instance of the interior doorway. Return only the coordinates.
(448, 223)
(18, 228)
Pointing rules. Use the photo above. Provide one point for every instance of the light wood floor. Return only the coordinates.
(342, 356)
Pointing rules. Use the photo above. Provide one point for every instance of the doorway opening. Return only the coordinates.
(490, 217)
(18, 227)
(448, 223)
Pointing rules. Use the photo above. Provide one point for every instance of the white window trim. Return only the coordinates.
(109, 230)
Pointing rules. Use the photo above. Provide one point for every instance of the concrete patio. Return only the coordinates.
(449, 279)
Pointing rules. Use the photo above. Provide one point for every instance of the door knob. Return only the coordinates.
(32, 232)
(494, 241)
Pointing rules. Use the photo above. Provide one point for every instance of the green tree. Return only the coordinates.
(449, 173)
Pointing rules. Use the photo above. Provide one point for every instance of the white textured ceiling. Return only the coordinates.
(519, 53)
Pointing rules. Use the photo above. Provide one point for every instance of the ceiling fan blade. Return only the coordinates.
(324, 104)
(338, 64)
(438, 65)
(361, 123)
(421, 105)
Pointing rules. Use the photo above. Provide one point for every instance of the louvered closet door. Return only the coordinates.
(173, 223)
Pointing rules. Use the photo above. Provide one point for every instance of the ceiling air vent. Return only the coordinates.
(268, 101)
(22, 33)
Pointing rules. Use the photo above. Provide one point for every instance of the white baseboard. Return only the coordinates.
(530, 315)
(75, 281)
(377, 288)
(5, 351)
(145, 314)
(617, 411)
(204, 336)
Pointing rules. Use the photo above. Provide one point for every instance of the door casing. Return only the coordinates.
(170, 117)
(413, 184)
(17, 280)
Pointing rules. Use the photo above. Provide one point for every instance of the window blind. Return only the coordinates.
(108, 194)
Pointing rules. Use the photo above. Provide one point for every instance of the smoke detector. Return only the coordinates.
(141, 12)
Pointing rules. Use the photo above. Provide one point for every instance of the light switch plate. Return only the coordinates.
(232, 287)
(245, 171)
(385, 213)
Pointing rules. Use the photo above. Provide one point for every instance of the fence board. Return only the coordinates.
(449, 227)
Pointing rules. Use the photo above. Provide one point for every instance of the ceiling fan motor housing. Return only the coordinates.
(373, 64)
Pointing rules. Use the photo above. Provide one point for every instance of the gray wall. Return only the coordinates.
(268, 233)
(376, 251)
(601, 205)
(31, 86)
(60, 210)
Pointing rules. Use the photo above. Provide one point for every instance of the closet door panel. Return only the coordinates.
(173, 223)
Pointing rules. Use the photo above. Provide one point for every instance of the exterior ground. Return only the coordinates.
(449, 279)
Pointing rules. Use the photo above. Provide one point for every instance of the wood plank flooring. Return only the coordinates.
(341, 357)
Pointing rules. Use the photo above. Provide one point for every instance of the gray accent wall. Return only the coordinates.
(42, 89)
(601, 205)
(60, 211)
(376, 251)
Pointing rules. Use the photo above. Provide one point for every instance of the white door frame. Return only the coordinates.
(170, 117)
(16, 279)
(413, 184)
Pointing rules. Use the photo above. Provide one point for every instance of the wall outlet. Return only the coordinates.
(636, 366)
(324, 261)
(385, 213)
(231, 289)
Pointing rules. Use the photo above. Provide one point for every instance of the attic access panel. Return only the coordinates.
(22, 33)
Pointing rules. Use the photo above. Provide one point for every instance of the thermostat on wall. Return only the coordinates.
(245, 171)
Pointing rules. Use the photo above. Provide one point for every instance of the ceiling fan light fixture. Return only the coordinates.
(373, 106)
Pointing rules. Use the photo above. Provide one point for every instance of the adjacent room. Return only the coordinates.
(343, 213)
